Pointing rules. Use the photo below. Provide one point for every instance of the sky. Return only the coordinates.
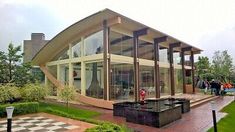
(206, 24)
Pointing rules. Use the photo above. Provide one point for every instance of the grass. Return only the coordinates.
(227, 123)
(73, 113)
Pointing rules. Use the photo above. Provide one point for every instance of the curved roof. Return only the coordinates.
(91, 24)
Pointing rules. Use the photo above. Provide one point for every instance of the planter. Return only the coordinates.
(153, 117)
(119, 109)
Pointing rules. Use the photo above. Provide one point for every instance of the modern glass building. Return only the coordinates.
(108, 58)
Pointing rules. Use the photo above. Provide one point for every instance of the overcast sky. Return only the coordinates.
(206, 24)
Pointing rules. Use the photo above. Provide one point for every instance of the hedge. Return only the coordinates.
(20, 108)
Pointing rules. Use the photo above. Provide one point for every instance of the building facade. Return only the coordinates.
(31, 47)
(108, 58)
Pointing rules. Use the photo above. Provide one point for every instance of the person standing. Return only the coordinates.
(206, 83)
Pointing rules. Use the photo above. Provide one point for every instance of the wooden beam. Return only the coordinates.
(160, 39)
(136, 35)
(192, 64)
(186, 49)
(141, 32)
(183, 71)
(106, 60)
(157, 41)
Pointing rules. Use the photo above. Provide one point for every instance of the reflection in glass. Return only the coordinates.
(147, 80)
(165, 85)
(121, 44)
(163, 55)
(64, 54)
(178, 81)
(177, 58)
(94, 79)
(76, 49)
(77, 76)
(121, 86)
(53, 70)
(146, 50)
(93, 44)
(64, 74)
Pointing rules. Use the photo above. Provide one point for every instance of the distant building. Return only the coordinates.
(31, 47)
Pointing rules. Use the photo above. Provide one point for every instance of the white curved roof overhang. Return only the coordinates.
(94, 23)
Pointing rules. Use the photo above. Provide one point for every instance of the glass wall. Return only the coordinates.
(64, 74)
(163, 55)
(94, 80)
(93, 44)
(176, 58)
(165, 83)
(53, 70)
(122, 82)
(121, 44)
(178, 81)
(146, 50)
(76, 49)
(147, 80)
(77, 76)
(64, 54)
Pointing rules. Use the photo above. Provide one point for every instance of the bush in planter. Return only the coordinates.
(109, 127)
(20, 108)
(9, 93)
(33, 92)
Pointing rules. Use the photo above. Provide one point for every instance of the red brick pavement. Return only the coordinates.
(199, 119)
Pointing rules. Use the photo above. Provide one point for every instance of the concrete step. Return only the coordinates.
(202, 101)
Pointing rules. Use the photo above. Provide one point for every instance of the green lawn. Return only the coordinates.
(74, 113)
(227, 124)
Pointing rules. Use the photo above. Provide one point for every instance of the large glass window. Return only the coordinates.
(64, 74)
(147, 80)
(122, 78)
(64, 54)
(178, 81)
(165, 84)
(146, 50)
(76, 49)
(121, 44)
(176, 58)
(163, 55)
(77, 77)
(93, 44)
(94, 80)
(53, 70)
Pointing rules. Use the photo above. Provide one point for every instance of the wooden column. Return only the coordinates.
(192, 64)
(156, 64)
(106, 59)
(172, 77)
(183, 70)
(136, 35)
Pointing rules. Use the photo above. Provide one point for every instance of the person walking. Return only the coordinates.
(213, 86)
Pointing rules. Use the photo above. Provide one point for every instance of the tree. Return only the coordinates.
(222, 65)
(67, 94)
(11, 68)
(203, 66)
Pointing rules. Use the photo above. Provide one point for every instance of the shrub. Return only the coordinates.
(20, 108)
(33, 92)
(108, 127)
(9, 93)
(67, 94)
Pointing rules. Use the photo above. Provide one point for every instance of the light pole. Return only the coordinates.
(9, 110)
(214, 115)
